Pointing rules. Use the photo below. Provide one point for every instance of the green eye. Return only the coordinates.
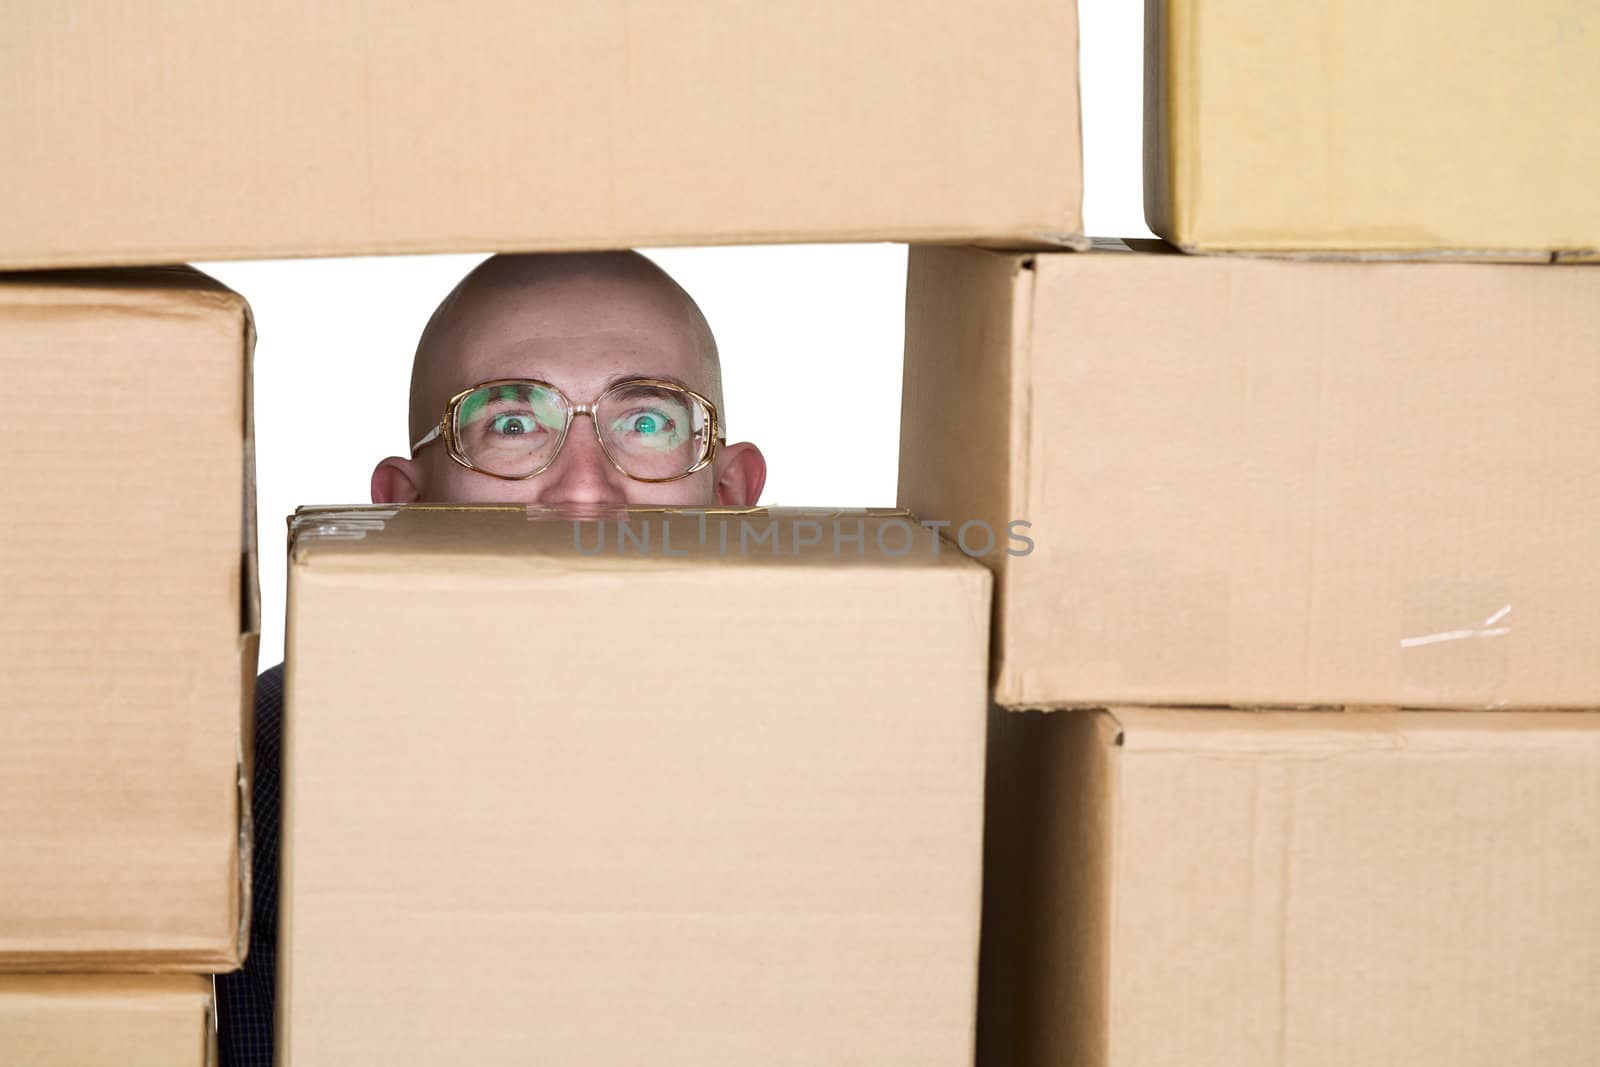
(646, 423)
(649, 429)
(511, 425)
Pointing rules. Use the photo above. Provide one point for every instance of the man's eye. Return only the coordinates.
(648, 423)
(512, 425)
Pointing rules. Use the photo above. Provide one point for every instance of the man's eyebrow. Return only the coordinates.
(674, 379)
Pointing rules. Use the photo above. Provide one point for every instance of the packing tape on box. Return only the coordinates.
(347, 524)
(1144, 622)
(1456, 639)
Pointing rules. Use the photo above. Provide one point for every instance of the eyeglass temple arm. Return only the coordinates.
(431, 435)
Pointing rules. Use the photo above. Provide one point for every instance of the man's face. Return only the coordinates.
(579, 334)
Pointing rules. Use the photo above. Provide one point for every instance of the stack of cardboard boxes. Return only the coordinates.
(127, 637)
(1302, 762)
(720, 807)
(1348, 489)
(1293, 758)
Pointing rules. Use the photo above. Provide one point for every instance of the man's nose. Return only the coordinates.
(582, 474)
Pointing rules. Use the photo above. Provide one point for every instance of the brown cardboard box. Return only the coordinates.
(722, 807)
(128, 626)
(1267, 481)
(226, 131)
(1316, 889)
(1342, 127)
(107, 1021)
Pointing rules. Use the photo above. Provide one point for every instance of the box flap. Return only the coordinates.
(588, 540)
(1329, 733)
(103, 990)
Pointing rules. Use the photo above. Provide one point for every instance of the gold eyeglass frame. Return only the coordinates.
(446, 427)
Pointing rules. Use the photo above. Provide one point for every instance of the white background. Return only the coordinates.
(336, 336)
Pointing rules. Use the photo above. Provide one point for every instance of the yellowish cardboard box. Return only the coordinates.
(1262, 481)
(128, 626)
(59, 1020)
(226, 131)
(714, 801)
(1266, 889)
(1369, 127)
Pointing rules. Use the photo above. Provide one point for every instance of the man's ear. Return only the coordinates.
(397, 480)
(741, 472)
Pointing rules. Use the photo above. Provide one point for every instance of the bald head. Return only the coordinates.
(582, 323)
(515, 314)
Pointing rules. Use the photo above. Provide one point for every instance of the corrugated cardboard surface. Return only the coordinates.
(1247, 889)
(128, 621)
(107, 1021)
(1360, 125)
(210, 131)
(1264, 481)
(700, 809)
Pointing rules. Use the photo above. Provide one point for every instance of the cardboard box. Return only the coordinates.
(1267, 481)
(128, 626)
(107, 1021)
(248, 132)
(1249, 889)
(722, 807)
(1404, 128)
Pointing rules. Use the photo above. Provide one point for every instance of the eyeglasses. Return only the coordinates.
(651, 430)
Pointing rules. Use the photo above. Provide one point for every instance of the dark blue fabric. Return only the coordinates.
(245, 997)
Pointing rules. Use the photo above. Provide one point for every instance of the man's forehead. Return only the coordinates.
(555, 340)
(580, 333)
(599, 384)
(579, 303)
(596, 358)
(571, 319)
